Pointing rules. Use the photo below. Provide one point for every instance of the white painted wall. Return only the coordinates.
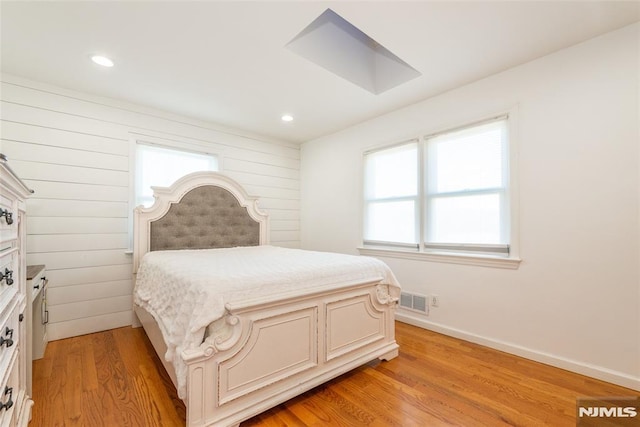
(575, 300)
(73, 150)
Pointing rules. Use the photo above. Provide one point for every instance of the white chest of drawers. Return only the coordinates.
(15, 404)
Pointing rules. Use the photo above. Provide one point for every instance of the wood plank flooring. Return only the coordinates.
(114, 378)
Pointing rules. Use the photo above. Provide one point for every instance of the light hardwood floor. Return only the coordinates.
(113, 378)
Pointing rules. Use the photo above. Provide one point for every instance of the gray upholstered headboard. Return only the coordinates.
(206, 217)
(202, 210)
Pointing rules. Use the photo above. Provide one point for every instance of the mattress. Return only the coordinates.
(186, 290)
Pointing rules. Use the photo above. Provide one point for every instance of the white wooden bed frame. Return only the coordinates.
(266, 351)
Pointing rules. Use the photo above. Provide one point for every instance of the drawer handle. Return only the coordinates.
(8, 341)
(8, 216)
(43, 281)
(9, 403)
(7, 276)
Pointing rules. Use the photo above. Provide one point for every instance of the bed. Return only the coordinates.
(240, 325)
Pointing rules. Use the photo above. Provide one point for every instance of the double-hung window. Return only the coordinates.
(158, 166)
(466, 183)
(391, 196)
(447, 192)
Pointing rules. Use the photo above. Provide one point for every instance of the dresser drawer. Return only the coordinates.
(8, 214)
(36, 280)
(10, 393)
(10, 272)
(9, 335)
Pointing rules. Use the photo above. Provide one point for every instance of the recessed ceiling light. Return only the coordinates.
(102, 60)
(287, 118)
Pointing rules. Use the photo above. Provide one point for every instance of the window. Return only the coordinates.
(446, 192)
(161, 167)
(466, 189)
(391, 195)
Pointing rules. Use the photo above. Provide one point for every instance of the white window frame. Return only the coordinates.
(416, 199)
(143, 148)
(502, 191)
(136, 139)
(458, 254)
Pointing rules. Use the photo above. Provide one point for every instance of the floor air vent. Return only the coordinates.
(414, 302)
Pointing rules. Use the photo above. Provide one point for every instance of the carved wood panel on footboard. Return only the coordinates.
(268, 353)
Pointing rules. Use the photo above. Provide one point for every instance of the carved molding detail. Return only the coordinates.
(384, 295)
(225, 333)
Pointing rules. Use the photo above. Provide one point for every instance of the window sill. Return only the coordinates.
(445, 257)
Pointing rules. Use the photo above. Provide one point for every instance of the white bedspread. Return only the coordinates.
(187, 290)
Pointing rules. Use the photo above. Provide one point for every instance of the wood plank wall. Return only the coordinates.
(74, 150)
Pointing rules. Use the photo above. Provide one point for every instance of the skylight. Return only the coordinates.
(336, 45)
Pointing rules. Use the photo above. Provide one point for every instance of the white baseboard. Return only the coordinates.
(593, 371)
(88, 325)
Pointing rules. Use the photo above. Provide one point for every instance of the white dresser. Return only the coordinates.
(15, 404)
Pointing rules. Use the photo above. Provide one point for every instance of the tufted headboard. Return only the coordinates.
(206, 217)
(203, 210)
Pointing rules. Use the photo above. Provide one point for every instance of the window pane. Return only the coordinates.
(161, 167)
(391, 222)
(465, 219)
(469, 159)
(392, 172)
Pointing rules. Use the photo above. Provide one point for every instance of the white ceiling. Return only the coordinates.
(226, 62)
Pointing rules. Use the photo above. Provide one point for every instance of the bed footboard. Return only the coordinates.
(264, 353)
